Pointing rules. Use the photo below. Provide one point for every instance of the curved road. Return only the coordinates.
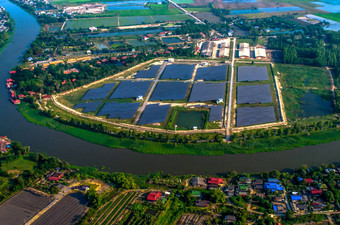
(82, 153)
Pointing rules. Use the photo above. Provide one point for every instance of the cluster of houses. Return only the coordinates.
(245, 50)
(3, 20)
(5, 144)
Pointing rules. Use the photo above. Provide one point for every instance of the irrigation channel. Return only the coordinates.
(82, 153)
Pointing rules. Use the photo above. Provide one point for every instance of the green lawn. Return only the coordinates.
(18, 164)
(206, 9)
(184, 1)
(330, 16)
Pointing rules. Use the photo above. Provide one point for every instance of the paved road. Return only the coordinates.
(141, 110)
(230, 102)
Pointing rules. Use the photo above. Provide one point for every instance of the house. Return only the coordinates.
(196, 194)
(315, 191)
(231, 190)
(258, 181)
(244, 50)
(214, 182)
(244, 180)
(220, 100)
(93, 29)
(273, 187)
(296, 198)
(302, 207)
(55, 176)
(260, 53)
(230, 219)
(198, 182)
(308, 180)
(139, 98)
(272, 180)
(153, 196)
(258, 187)
(202, 203)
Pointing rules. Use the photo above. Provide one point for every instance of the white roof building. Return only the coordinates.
(260, 53)
(244, 50)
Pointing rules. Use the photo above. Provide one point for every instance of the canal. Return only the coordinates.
(82, 153)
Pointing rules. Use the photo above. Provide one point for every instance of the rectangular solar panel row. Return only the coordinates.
(98, 93)
(150, 73)
(88, 106)
(178, 71)
(247, 116)
(170, 91)
(211, 73)
(131, 89)
(154, 113)
(252, 73)
(250, 94)
(119, 110)
(202, 92)
(215, 113)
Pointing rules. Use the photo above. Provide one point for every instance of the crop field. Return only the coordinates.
(19, 164)
(135, 20)
(209, 16)
(189, 219)
(184, 1)
(93, 22)
(146, 12)
(114, 209)
(22, 207)
(330, 16)
(171, 18)
(67, 211)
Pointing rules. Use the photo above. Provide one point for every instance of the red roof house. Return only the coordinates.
(12, 72)
(215, 181)
(315, 191)
(154, 196)
(55, 176)
(309, 180)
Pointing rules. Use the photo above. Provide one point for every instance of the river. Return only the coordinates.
(82, 153)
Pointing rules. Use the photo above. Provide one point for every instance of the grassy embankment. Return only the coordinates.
(253, 146)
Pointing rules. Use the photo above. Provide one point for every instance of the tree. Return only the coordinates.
(93, 198)
(217, 196)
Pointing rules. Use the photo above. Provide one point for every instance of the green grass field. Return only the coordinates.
(330, 16)
(20, 164)
(206, 9)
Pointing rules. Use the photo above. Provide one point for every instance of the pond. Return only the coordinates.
(265, 10)
(332, 6)
(190, 119)
(314, 105)
(128, 5)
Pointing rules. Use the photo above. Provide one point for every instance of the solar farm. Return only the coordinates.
(256, 98)
(162, 94)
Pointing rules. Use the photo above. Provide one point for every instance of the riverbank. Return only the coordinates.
(249, 147)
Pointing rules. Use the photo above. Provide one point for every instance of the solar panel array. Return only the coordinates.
(215, 113)
(247, 116)
(252, 73)
(88, 106)
(211, 73)
(98, 93)
(251, 94)
(131, 89)
(178, 71)
(154, 113)
(202, 92)
(150, 73)
(119, 110)
(170, 91)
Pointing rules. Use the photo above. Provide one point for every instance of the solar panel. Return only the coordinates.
(88, 106)
(149, 73)
(247, 116)
(211, 73)
(119, 110)
(170, 91)
(98, 93)
(202, 92)
(178, 71)
(131, 89)
(215, 113)
(251, 94)
(154, 113)
(252, 73)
